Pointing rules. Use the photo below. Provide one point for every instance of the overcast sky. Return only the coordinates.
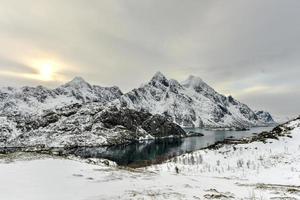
(250, 49)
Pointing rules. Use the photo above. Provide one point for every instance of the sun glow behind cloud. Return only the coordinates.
(46, 70)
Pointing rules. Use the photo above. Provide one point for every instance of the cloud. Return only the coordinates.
(247, 48)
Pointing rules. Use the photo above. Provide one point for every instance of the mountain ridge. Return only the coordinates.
(33, 100)
(191, 103)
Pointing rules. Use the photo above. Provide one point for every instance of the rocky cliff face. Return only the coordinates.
(191, 103)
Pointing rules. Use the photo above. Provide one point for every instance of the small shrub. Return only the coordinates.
(240, 163)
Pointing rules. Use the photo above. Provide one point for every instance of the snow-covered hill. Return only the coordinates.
(192, 103)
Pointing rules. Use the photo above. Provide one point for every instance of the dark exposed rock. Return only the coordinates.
(232, 100)
(193, 133)
(160, 126)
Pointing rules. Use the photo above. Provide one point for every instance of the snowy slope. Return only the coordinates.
(191, 103)
(271, 165)
(278, 148)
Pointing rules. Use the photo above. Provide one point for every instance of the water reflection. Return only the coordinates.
(151, 152)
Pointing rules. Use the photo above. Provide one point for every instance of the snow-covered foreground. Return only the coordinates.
(54, 178)
(244, 171)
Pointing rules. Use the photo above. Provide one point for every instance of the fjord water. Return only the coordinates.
(155, 151)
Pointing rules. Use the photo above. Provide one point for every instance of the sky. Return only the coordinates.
(246, 48)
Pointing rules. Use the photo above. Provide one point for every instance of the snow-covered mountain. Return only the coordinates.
(74, 114)
(191, 103)
(33, 100)
(91, 124)
(264, 116)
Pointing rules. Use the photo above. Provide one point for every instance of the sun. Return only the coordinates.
(46, 71)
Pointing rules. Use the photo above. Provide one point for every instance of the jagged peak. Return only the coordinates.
(159, 76)
(197, 84)
(174, 82)
(77, 82)
(77, 79)
(192, 77)
(193, 80)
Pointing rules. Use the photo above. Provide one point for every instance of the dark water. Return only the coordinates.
(151, 152)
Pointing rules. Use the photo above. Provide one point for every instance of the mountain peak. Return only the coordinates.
(194, 78)
(159, 76)
(77, 79)
(197, 84)
(77, 82)
(264, 116)
(192, 81)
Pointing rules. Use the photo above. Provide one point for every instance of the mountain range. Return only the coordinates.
(82, 113)
(191, 103)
